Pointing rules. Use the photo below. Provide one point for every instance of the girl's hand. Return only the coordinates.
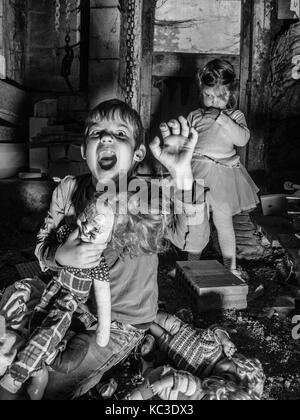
(77, 254)
(212, 113)
(176, 152)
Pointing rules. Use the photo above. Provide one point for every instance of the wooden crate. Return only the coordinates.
(211, 286)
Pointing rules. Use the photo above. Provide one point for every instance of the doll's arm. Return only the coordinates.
(47, 243)
(223, 337)
(103, 301)
(169, 385)
(235, 127)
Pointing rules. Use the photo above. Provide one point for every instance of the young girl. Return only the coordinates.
(222, 128)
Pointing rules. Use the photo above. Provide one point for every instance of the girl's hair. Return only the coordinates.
(219, 73)
(251, 374)
(117, 109)
(218, 389)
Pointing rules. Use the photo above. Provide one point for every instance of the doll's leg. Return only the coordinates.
(40, 311)
(43, 342)
(103, 299)
(226, 234)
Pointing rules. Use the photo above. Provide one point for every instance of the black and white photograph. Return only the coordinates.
(149, 203)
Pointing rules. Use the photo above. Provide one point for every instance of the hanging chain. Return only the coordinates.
(57, 15)
(130, 57)
(68, 17)
(66, 66)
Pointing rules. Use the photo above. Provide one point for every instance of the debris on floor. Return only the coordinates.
(263, 331)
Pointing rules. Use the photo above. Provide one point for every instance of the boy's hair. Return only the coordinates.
(251, 374)
(218, 389)
(219, 73)
(116, 108)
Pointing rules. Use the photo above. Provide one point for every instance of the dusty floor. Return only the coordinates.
(258, 332)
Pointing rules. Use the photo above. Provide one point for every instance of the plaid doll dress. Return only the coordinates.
(55, 311)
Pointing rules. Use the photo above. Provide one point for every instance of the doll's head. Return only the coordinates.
(96, 222)
(247, 373)
(218, 389)
(218, 85)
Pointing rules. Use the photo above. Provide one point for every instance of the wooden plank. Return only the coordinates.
(261, 47)
(245, 65)
(186, 65)
(105, 33)
(13, 101)
(147, 62)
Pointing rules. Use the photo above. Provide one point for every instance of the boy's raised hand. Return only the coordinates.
(176, 152)
(78, 254)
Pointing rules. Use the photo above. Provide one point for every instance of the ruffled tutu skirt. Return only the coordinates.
(231, 189)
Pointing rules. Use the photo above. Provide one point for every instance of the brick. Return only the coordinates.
(105, 33)
(103, 81)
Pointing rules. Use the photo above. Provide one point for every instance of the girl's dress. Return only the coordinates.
(217, 164)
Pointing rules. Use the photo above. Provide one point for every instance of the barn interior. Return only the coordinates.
(60, 58)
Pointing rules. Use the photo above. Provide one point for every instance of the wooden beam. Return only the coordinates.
(148, 18)
(245, 66)
(84, 44)
(260, 53)
(185, 65)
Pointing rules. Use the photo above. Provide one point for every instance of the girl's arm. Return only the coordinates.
(47, 243)
(103, 301)
(236, 127)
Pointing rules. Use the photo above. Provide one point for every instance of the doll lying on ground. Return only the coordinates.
(53, 315)
(199, 354)
(169, 384)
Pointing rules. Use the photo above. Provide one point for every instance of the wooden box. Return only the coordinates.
(211, 286)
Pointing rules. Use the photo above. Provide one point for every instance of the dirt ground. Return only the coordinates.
(258, 332)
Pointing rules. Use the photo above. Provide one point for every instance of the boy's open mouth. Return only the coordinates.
(107, 160)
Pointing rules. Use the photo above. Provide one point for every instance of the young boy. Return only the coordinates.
(112, 149)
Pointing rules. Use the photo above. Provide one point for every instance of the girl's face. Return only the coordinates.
(110, 149)
(215, 97)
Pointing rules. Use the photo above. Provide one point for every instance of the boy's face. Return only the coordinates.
(110, 149)
(215, 97)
